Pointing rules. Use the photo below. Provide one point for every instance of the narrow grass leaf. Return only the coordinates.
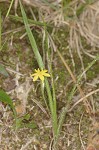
(53, 87)
(20, 19)
(0, 28)
(31, 38)
(6, 99)
(9, 8)
(61, 121)
(3, 71)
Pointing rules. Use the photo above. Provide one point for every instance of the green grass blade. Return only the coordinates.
(54, 107)
(61, 121)
(20, 19)
(6, 99)
(9, 8)
(31, 39)
(0, 28)
(47, 50)
(3, 71)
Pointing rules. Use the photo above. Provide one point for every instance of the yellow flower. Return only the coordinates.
(40, 74)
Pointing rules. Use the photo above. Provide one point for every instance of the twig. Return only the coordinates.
(11, 70)
(83, 98)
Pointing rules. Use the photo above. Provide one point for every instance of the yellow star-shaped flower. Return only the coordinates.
(40, 74)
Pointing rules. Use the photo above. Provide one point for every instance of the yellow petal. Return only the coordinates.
(35, 78)
(46, 74)
(41, 77)
(38, 69)
(34, 74)
(35, 70)
(43, 71)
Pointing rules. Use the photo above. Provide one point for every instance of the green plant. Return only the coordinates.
(52, 102)
(0, 28)
(6, 99)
